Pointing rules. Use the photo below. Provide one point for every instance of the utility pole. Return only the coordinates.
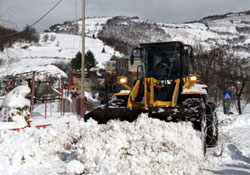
(83, 61)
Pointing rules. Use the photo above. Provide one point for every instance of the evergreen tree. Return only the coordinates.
(76, 62)
(89, 60)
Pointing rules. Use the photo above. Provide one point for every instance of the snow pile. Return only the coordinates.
(32, 148)
(16, 105)
(146, 146)
(75, 166)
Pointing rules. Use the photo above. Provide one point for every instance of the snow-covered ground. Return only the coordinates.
(146, 146)
(232, 155)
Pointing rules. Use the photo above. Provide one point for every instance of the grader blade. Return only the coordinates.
(177, 114)
(167, 114)
(103, 115)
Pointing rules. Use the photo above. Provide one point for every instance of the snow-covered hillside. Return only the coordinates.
(232, 29)
(63, 47)
(93, 25)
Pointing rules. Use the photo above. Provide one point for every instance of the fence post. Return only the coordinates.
(32, 93)
(45, 110)
(62, 100)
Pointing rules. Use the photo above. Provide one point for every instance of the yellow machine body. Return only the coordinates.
(149, 86)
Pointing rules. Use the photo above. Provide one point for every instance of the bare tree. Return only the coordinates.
(45, 38)
(239, 77)
(209, 64)
(221, 70)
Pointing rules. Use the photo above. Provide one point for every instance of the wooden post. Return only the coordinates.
(83, 61)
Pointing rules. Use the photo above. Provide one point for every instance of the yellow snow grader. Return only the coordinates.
(164, 89)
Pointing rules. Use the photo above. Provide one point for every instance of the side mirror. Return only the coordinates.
(136, 52)
(192, 56)
(132, 58)
(189, 50)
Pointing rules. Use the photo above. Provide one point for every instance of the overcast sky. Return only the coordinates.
(18, 13)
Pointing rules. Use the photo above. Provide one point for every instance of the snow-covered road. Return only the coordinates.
(232, 155)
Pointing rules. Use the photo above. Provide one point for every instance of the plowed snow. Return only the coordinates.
(146, 146)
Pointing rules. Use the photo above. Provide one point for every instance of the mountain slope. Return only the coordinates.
(128, 32)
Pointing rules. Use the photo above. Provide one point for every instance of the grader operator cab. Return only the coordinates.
(164, 89)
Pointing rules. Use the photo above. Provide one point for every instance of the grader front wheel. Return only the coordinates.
(208, 122)
(212, 126)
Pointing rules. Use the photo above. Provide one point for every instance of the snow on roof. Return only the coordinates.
(42, 72)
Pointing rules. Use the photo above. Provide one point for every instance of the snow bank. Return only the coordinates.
(146, 146)
(232, 155)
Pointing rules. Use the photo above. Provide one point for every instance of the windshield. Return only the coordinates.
(161, 60)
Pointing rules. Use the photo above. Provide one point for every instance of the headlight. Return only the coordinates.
(194, 78)
(122, 80)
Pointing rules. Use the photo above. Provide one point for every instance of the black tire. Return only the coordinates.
(212, 126)
(194, 104)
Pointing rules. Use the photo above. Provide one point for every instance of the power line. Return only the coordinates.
(39, 2)
(15, 33)
(46, 13)
(75, 28)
